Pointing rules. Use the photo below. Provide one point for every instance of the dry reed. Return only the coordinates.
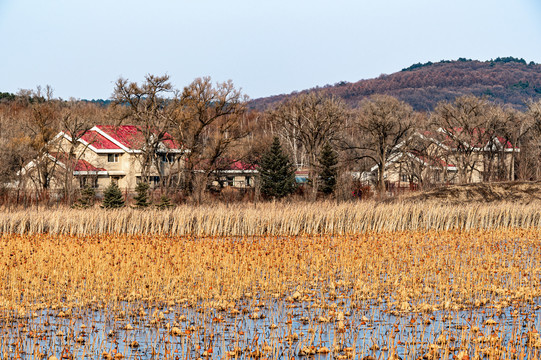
(273, 219)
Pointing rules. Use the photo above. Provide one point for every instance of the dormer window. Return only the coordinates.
(112, 158)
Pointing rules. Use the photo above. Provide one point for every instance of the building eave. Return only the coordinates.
(237, 171)
(100, 172)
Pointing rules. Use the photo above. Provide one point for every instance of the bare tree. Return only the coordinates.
(15, 151)
(477, 136)
(148, 106)
(308, 121)
(42, 127)
(506, 129)
(459, 125)
(75, 122)
(208, 122)
(422, 161)
(381, 130)
(529, 164)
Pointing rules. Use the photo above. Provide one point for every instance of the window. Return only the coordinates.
(90, 181)
(112, 158)
(404, 178)
(155, 180)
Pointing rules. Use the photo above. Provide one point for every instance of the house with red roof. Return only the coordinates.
(448, 156)
(108, 153)
(233, 173)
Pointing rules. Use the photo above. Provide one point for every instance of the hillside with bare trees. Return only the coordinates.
(503, 80)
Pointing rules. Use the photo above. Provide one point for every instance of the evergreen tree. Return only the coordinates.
(164, 203)
(87, 198)
(277, 172)
(112, 197)
(328, 159)
(141, 199)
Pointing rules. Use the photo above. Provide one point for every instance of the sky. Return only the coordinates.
(81, 48)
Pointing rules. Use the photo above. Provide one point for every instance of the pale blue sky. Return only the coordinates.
(266, 47)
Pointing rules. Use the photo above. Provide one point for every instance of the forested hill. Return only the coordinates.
(505, 80)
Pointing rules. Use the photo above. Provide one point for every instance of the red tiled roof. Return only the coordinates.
(170, 142)
(99, 141)
(83, 165)
(77, 164)
(239, 165)
(477, 137)
(131, 136)
(127, 135)
(225, 165)
(506, 143)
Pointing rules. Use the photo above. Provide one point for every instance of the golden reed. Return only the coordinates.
(273, 219)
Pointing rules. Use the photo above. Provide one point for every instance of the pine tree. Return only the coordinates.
(141, 199)
(164, 203)
(328, 159)
(277, 173)
(112, 197)
(87, 198)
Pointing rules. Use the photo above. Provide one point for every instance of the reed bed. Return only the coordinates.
(273, 219)
(454, 294)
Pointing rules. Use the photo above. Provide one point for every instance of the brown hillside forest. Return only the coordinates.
(333, 134)
(505, 80)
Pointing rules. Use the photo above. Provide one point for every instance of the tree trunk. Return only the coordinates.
(381, 181)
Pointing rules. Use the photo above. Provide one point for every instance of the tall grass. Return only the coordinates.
(274, 219)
